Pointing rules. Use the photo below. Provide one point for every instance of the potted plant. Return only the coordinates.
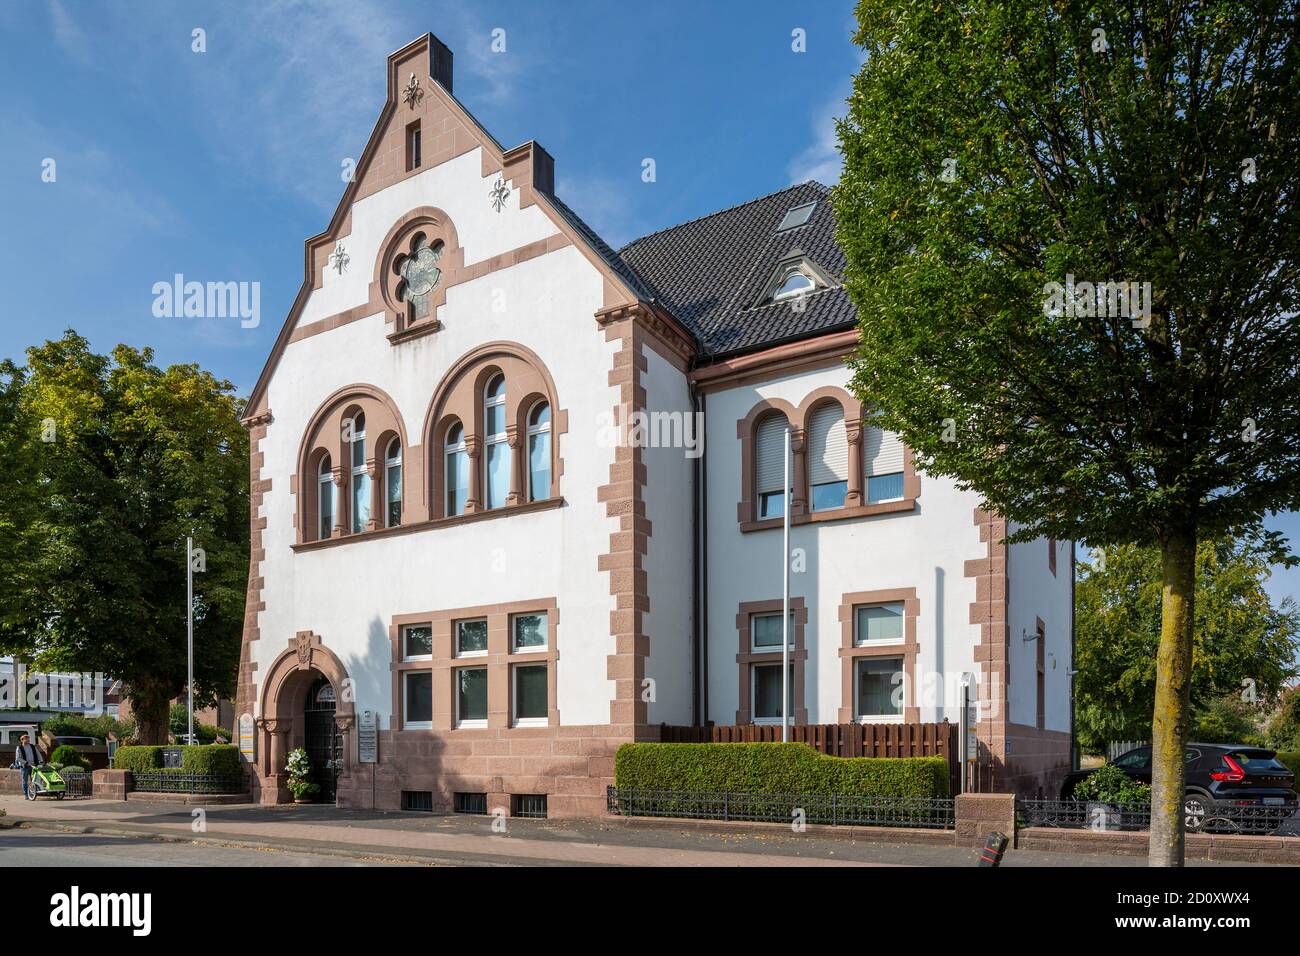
(299, 770)
(1109, 793)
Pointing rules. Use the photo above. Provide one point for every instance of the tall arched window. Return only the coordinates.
(496, 476)
(325, 498)
(828, 458)
(393, 483)
(539, 452)
(769, 466)
(457, 471)
(360, 476)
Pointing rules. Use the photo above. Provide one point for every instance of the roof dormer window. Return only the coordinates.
(794, 277)
(795, 283)
(796, 217)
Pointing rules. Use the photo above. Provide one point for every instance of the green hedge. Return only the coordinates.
(68, 756)
(197, 758)
(775, 768)
(1292, 760)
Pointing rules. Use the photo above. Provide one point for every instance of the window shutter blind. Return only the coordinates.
(769, 455)
(883, 453)
(828, 446)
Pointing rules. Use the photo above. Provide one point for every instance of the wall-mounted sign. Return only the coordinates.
(247, 742)
(368, 737)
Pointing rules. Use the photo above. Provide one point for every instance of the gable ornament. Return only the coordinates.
(412, 92)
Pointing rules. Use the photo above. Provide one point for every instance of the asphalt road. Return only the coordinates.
(32, 847)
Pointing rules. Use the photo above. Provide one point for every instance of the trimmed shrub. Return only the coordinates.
(210, 758)
(1109, 784)
(776, 768)
(67, 756)
(138, 758)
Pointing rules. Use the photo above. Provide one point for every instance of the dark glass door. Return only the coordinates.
(324, 743)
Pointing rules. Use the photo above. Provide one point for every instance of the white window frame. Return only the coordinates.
(514, 650)
(781, 293)
(456, 652)
(450, 451)
(392, 462)
(325, 485)
(357, 472)
(858, 641)
(757, 648)
(497, 439)
(753, 692)
(534, 431)
(857, 691)
(407, 723)
(515, 719)
(466, 723)
(416, 657)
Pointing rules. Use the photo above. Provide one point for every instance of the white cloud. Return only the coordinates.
(602, 204)
(68, 34)
(821, 160)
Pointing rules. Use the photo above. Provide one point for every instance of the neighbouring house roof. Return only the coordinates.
(713, 274)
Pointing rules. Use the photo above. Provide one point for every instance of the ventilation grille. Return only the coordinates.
(528, 805)
(421, 800)
(475, 803)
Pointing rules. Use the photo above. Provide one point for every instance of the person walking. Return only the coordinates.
(27, 756)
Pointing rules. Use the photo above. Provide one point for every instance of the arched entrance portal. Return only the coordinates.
(305, 703)
(322, 739)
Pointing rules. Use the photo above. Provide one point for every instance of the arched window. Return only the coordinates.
(420, 277)
(539, 452)
(360, 482)
(882, 456)
(457, 471)
(325, 496)
(828, 458)
(393, 483)
(769, 466)
(496, 476)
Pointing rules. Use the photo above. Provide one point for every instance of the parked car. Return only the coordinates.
(78, 741)
(1233, 774)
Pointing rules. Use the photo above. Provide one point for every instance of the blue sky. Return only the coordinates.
(218, 164)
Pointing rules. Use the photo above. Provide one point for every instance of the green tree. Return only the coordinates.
(1284, 727)
(993, 148)
(1242, 644)
(120, 461)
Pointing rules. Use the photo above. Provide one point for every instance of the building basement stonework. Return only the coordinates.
(513, 503)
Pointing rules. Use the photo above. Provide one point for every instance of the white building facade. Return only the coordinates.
(512, 499)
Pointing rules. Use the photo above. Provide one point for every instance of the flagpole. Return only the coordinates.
(785, 597)
(189, 640)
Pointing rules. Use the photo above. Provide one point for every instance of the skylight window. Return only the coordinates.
(797, 216)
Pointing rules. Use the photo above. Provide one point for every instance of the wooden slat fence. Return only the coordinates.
(837, 740)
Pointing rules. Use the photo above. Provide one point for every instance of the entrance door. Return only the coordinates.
(324, 742)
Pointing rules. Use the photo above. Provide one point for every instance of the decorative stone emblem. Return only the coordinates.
(303, 641)
(412, 92)
(339, 258)
(422, 275)
(499, 195)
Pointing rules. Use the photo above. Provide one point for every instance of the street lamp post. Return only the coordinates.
(785, 597)
(189, 638)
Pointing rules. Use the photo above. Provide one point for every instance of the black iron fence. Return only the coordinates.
(154, 781)
(1204, 816)
(832, 809)
(78, 782)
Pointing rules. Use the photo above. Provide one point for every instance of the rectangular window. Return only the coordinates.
(419, 700)
(531, 695)
(528, 632)
(771, 505)
(765, 631)
(885, 488)
(879, 623)
(394, 485)
(360, 502)
(498, 473)
(471, 697)
(471, 638)
(766, 681)
(879, 687)
(829, 495)
(417, 642)
(326, 509)
(413, 153)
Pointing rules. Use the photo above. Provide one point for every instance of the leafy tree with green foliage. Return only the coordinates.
(1242, 644)
(1228, 720)
(994, 148)
(112, 462)
(1284, 727)
(1109, 784)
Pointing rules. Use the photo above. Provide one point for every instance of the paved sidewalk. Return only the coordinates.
(469, 840)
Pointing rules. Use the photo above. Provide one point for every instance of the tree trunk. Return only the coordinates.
(1172, 716)
(150, 707)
